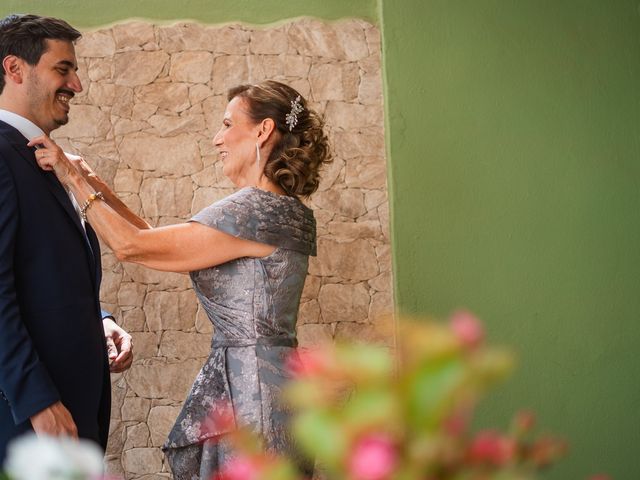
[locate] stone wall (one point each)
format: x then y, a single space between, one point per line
153 99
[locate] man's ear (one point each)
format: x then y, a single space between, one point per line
13 68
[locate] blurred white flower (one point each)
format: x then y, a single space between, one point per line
30 457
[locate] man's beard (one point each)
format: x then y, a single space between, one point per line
41 104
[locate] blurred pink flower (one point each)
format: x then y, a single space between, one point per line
457 423
524 421
600 476
546 450
467 328
307 363
220 420
239 468
490 447
374 457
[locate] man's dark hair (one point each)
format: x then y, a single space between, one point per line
25 37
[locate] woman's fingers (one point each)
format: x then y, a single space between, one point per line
44 141
41 159
44 159
54 159
47 149
35 141
50 156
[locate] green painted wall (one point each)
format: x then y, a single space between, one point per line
515 160
92 13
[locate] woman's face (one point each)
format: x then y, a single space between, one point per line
236 143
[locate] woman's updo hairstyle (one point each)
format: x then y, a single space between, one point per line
300 152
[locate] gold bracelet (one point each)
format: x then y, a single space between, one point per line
87 203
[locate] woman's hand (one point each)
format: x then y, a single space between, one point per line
51 157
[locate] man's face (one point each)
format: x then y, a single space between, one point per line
51 84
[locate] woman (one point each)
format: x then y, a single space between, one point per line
248 257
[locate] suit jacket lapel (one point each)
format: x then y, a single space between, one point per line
19 143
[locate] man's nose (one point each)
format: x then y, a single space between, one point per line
74 83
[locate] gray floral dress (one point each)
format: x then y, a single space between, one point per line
253 305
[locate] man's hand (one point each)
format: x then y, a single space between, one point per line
119 346
54 420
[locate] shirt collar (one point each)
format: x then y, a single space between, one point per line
26 127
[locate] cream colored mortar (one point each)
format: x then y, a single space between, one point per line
153 99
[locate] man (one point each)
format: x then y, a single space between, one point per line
54 361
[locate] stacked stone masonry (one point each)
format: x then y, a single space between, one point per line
153 99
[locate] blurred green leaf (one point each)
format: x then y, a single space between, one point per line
371 407
321 434
430 388
281 470
492 366
365 363
304 393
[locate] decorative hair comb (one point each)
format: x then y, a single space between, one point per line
292 117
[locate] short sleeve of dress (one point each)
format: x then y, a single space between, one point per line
265 217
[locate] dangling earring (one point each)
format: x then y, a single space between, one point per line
257 155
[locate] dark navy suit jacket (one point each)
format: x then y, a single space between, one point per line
52 343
